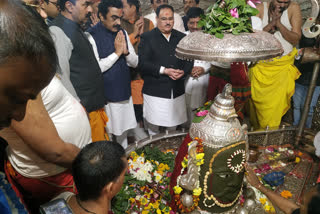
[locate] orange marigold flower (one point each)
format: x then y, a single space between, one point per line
286 194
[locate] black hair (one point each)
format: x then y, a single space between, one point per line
194 12
62 4
104 5
23 33
313 206
151 1
96 165
197 1
135 3
163 6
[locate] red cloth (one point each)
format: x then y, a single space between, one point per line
241 87
238 74
215 87
42 190
183 150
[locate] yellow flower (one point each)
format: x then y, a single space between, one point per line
149 207
163 167
184 163
158 211
199 156
298 159
262 200
207 103
272 210
267 208
145 211
144 201
177 190
166 210
197 191
200 162
155 205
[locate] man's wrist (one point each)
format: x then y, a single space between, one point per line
118 53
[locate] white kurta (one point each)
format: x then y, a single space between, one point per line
196 88
121 114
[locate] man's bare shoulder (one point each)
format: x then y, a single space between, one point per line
294 7
294 10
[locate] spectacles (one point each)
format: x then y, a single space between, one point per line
166 19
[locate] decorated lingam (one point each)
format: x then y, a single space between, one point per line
215 160
209 170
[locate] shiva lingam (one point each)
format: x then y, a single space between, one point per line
211 178
216 158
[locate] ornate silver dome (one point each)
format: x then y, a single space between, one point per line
252 47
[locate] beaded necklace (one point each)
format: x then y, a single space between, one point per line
237 170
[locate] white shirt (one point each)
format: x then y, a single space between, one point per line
71 122
107 62
178 22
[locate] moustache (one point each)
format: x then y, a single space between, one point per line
118 27
168 25
88 15
282 9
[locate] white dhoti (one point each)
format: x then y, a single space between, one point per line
121 116
165 112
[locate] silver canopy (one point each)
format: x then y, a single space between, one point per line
245 47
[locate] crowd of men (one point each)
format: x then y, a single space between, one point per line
80 71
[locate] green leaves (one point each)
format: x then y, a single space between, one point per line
219 21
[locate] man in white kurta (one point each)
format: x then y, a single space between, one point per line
198 81
115 53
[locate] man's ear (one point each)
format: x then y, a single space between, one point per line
109 190
100 16
69 6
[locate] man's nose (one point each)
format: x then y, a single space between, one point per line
19 113
89 9
118 21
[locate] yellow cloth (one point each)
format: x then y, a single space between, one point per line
272 86
98 122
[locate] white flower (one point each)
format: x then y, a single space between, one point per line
140 169
157 176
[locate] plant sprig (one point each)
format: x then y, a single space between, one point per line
219 20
